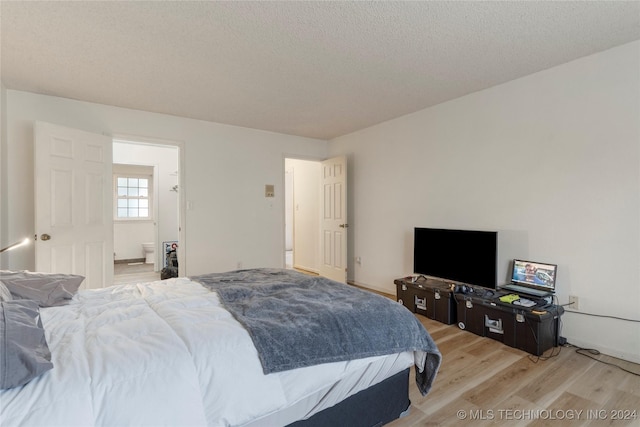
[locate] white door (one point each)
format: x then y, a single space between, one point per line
74 218
333 238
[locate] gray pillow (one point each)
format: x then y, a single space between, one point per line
47 289
24 353
5 295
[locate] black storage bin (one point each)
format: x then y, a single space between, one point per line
171 270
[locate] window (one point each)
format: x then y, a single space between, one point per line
133 197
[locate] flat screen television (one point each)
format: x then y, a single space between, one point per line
534 275
465 256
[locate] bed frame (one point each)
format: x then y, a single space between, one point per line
372 407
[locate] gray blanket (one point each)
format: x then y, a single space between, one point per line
298 320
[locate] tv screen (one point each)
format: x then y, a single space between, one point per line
465 256
534 275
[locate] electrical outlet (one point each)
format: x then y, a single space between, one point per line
574 302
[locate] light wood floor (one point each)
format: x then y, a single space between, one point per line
493 384
125 274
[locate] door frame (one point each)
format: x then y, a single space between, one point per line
318 159
284 205
155 204
182 202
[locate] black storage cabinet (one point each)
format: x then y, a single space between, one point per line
428 297
480 311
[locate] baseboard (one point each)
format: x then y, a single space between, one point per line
377 289
306 269
128 261
598 324
629 357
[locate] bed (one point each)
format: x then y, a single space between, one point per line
198 351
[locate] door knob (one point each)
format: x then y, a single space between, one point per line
344 225
45 237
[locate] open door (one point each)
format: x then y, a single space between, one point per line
73 206
333 239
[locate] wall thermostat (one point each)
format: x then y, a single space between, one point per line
269 190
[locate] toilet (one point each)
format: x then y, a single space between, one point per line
149 250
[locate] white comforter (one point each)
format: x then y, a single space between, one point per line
162 353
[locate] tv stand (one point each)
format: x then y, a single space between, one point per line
479 310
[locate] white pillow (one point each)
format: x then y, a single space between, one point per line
24 353
47 289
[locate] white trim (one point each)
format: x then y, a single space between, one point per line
286 156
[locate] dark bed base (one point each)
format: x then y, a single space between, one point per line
372 407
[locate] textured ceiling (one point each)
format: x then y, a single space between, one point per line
316 69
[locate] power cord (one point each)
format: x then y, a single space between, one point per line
591 353
598 315
553 353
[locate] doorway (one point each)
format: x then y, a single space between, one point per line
146 208
302 214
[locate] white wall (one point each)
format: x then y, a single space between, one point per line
129 235
551 161
226 169
306 214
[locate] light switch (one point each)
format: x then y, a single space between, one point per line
269 190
